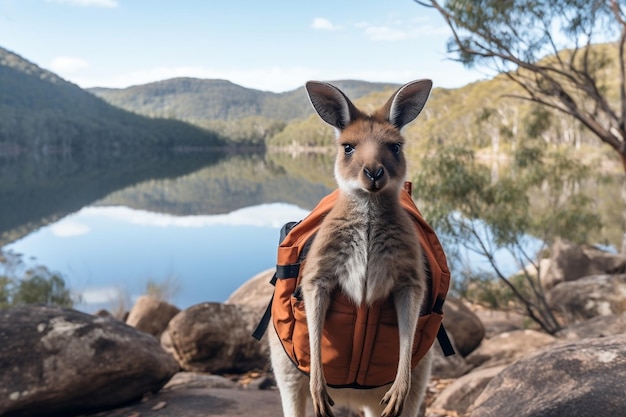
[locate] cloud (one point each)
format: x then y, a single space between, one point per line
264 215
109 4
69 228
65 64
321 23
100 295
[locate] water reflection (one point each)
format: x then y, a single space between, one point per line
109 254
205 221
110 226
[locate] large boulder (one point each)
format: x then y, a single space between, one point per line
448 366
464 326
216 338
151 315
506 348
58 361
580 379
600 326
461 394
496 321
569 262
599 295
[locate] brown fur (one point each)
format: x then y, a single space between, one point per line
367 247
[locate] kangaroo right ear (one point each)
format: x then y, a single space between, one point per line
331 104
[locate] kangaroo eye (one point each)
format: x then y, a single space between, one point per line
395 148
348 149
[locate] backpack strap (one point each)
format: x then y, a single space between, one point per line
261 328
444 342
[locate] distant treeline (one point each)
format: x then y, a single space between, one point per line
40 111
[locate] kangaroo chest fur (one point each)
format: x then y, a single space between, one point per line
366 249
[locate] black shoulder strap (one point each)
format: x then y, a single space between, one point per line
261 328
444 342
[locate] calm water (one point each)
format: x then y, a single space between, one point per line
201 234
199 225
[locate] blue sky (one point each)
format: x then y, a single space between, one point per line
268 45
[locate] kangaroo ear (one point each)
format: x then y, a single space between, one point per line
407 103
331 104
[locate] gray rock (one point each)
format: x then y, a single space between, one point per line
58 361
198 380
580 379
598 295
497 322
569 262
600 326
461 394
151 315
464 326
448 366
506 348
216 338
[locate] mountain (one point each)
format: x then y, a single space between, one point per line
197 100
237 113
39 110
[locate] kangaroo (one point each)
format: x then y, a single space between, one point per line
366 247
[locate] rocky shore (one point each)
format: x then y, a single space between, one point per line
202 361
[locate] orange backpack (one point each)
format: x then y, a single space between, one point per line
360 344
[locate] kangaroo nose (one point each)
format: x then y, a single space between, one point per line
376 175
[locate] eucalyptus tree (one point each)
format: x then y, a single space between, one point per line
567 55
534 201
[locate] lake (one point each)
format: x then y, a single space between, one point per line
199 224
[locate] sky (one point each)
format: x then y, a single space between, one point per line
273 45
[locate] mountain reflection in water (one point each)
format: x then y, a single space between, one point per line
205 229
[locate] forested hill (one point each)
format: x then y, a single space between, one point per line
198 99
237 113
39 110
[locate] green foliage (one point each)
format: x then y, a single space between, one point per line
535 196
252 130
523 27
239 114
36 285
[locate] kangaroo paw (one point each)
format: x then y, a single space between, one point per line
322 403
394 398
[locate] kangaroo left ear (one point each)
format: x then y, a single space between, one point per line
407 103
331 104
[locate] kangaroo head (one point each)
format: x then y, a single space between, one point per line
370 156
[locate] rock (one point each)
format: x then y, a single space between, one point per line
464 326
598 295
254 293
579 379
600 326
58 361
151 315
497 322
216 338
199 380
461 394
505 348
569 262
448 366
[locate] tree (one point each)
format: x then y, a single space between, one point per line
36 285
550 49
521 212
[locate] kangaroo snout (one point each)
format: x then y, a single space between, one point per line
375 178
